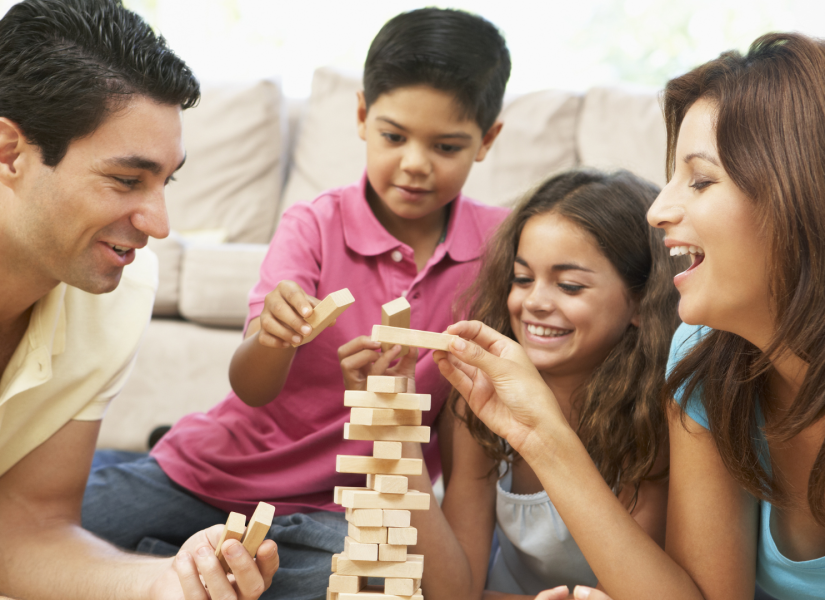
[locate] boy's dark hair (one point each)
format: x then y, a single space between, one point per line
450 50
67 64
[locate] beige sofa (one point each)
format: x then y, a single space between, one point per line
252 153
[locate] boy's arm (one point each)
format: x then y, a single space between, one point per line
45 549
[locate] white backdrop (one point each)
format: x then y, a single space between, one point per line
554 43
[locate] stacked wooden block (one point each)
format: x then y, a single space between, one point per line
379 514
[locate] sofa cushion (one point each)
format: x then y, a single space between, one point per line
170 253
232 177
539 138
215 282
621 128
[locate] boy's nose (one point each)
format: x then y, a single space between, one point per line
415 160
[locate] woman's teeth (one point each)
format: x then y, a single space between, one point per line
681 250
547 331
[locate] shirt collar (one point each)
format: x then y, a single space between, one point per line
47 326
366 236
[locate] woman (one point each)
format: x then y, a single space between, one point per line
746 155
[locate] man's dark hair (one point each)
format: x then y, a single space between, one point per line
65 65
449 50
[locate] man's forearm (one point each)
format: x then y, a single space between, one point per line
66 561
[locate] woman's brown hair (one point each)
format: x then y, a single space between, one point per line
770 136
621 420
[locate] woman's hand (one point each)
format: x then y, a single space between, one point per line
360 358
499 383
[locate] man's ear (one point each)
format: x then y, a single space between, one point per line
12 144
362 116
488 139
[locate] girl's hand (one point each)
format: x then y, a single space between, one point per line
581 592
360 358
499 383
283 319
557 593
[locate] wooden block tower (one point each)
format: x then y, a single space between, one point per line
379 514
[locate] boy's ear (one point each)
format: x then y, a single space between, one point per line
362 116
12 145
488 139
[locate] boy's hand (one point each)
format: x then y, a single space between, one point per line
283 319
196 574
360 358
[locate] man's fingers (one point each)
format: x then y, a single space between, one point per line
190 581
268 561
212 572
248 578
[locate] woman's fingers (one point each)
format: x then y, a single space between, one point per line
557 593
581 592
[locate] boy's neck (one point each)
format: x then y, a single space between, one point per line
422 235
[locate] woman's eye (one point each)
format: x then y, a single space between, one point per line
393 137
701 184
570 288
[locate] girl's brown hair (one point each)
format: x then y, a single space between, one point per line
621 420
770 136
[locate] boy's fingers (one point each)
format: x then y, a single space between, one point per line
356 345
190 581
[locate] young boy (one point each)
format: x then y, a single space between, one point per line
433 87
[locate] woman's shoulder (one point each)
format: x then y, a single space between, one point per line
684 339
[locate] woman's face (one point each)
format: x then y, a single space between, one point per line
706 215
568 305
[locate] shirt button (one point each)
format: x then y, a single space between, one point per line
404 294
396 255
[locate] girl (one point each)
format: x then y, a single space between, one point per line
746 151
577 277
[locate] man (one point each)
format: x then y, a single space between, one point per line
90 134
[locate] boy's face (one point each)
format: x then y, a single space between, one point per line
419 148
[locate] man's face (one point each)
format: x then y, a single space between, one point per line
81 221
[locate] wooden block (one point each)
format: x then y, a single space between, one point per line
389 484
412 337
412 500
396 518
331 595
335 563
395 586
390 450
233 530
368 464
375 593
389 553
396 314
357 551
326 312
347 583
402 536
375 400
338 490
383 384
413 568
258 527
367 535
384 416
389 434
365 517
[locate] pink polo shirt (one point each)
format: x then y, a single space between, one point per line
284 452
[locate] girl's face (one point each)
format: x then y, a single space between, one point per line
705 214
568 305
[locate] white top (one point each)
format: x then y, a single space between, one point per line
73 359
536 551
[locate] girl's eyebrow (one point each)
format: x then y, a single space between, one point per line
560 267
704 156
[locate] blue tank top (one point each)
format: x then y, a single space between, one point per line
781 577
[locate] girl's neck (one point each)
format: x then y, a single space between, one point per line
786 379
564 388
422 234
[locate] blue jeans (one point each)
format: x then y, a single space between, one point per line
135 506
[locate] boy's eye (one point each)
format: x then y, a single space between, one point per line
449 148
393 137
570 288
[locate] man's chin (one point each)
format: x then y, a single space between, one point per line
99 283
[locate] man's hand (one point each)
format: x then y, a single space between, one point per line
196 574
360 358
499 383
